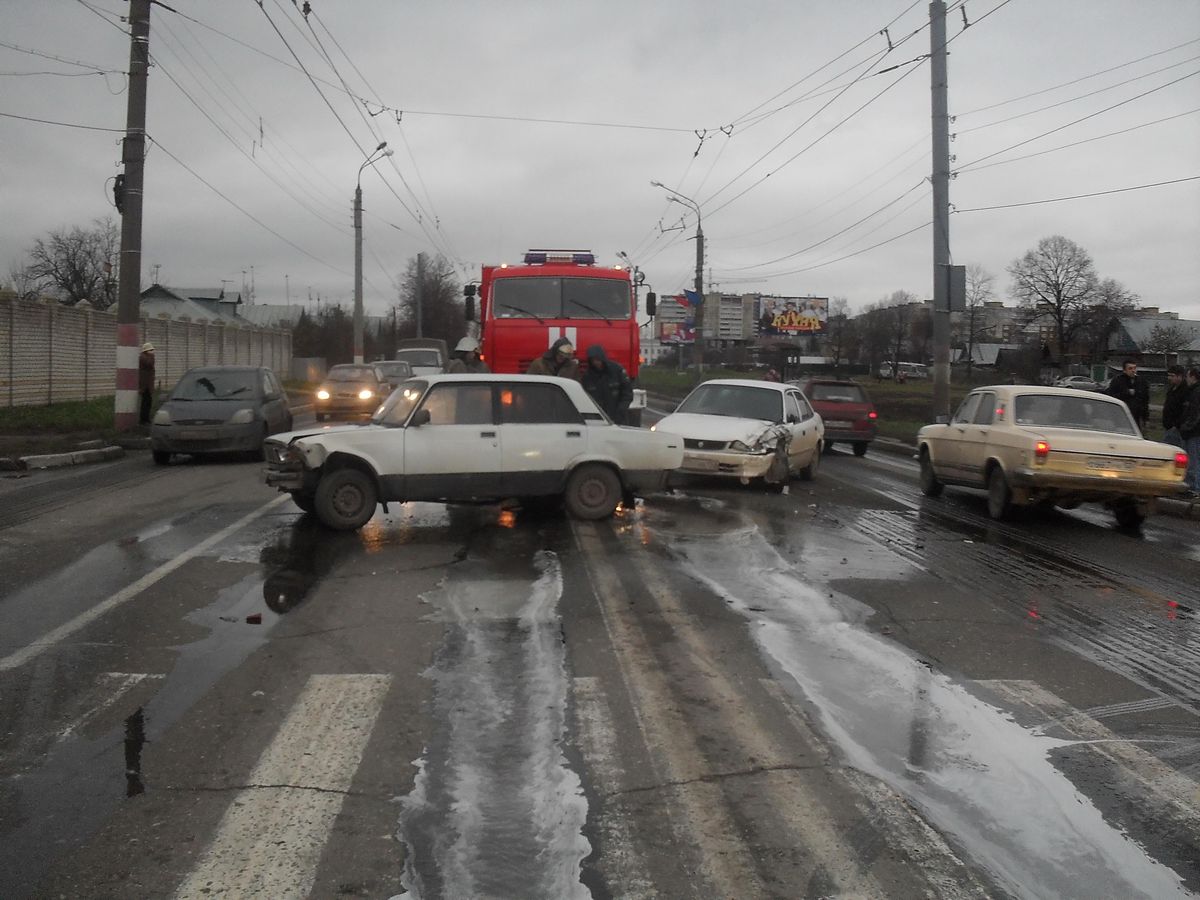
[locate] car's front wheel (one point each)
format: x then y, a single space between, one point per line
930 485
161 457
593 492
999 494
809 472
345 499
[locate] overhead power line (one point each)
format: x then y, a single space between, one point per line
1136 187
70 62
63 124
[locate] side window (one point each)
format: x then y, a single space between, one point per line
536 404
966 411
459 404
267 387
795 406
275 385
986 413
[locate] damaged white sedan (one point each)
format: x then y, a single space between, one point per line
749 430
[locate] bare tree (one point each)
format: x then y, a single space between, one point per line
980 289
900 313
442 314
1098 321
1057 281
1168 339
840 332
77 263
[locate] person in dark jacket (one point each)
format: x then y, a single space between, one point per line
558 360
1189 430
1135 391
466 359
608 384
146 382
1173 405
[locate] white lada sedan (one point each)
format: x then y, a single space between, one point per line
747 430
1028 445
472 439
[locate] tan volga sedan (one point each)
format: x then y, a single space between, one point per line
1028 445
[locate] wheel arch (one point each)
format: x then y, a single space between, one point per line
340 459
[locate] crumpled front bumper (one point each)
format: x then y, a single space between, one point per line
726 463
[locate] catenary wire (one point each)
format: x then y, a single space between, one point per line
1136 187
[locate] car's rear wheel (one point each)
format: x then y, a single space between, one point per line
999 494
161 457
593 492
1129 514
930 485
860 448
809 472
304 499
345 499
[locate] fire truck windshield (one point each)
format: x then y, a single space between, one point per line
561 298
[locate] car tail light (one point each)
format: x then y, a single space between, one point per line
1041 450
872 415
1181 460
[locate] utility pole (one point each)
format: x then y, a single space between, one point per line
941 209
358 301
420 290
702 311
133 155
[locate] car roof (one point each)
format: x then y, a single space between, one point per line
1017 390
749 382
225 369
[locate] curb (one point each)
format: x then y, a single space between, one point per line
78 457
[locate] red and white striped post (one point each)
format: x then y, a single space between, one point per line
133 154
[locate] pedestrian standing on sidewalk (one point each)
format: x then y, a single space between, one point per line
1135 391
146 381
1189 428
1173 405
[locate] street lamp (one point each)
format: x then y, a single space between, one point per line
376 155
677 197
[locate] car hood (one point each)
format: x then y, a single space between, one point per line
318 431
714 428
208 409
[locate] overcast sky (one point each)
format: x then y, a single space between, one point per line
773 116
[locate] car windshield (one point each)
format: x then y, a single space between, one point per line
399 405
1081 413
419 357
394 369
351 373
839 393
736 400
213 384
561 298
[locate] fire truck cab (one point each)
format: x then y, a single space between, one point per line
552 294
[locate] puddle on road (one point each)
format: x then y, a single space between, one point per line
495 810
977 774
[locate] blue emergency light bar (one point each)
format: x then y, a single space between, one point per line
575 257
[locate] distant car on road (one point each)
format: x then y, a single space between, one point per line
472 439
220 409
748 430
427 356
845 409
1031 445
394 371
350 390
1079 382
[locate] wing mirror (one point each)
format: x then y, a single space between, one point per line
469 302
419 418
651 303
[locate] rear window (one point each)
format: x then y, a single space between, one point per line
420 357
839 393
1084 413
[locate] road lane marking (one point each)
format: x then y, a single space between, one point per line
624 867
269 841
123 596
725 861
1177 795
124 682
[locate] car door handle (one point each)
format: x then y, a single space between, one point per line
490 434
574 434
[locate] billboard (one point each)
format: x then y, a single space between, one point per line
792 316
677 332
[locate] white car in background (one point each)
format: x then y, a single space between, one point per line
472 439
749 430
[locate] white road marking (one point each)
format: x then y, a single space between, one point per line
123 596
124 682
624 867
270 839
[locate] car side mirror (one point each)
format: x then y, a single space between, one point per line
419 418
651 303
942 420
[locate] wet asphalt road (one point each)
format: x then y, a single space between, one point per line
846 690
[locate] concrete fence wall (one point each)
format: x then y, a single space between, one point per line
50 352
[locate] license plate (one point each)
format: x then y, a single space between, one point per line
832 423
1111 465
194 434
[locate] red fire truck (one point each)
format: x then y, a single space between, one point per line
523 309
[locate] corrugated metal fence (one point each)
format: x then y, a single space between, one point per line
50 352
